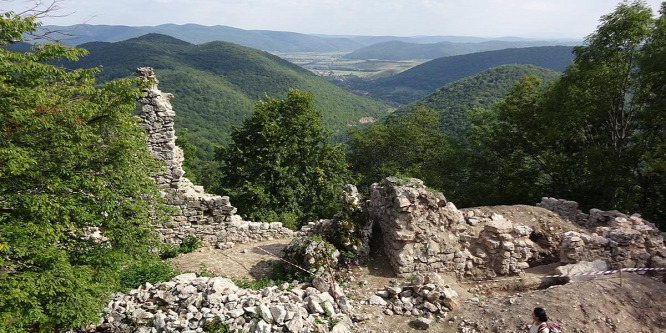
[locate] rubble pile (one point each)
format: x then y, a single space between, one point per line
424 296
189 303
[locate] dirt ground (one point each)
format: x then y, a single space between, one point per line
595 306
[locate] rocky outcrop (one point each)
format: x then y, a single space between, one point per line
189 303
423 232
193 212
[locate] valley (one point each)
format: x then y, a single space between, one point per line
332 167
334 65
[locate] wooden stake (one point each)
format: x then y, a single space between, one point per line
620 274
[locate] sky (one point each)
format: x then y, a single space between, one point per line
482 18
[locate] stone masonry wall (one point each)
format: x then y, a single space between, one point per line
618 239
211 218
423 232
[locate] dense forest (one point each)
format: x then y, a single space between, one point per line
483 90
421 80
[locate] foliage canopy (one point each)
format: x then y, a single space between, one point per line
72 161
281 165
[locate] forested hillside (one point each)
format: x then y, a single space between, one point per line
595 135
216 84
421 80
398 50
484 89
280 41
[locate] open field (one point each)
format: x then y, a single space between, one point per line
329 64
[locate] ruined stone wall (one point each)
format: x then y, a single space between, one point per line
211 218
569 211
423 232
618 239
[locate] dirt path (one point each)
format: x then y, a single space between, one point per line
243 261
598 305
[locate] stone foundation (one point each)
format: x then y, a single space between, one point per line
193 212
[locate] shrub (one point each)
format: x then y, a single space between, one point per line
141 272
189 244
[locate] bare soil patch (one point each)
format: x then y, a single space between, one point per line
243 261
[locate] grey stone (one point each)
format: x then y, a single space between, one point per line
421 323
376 300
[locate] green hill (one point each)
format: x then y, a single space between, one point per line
480 90
421 80
216 84
280 41
398 50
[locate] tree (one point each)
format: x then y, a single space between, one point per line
593 110
75 186
597 134
191 161
411 145
501 153
281 165
652 123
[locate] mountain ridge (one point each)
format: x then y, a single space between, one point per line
216 84
399 50
419 81
483 89
267 40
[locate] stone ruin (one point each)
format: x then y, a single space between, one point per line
208 217
618 239
422 232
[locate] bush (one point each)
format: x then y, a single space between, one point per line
170 251
215 326
189 244
141 272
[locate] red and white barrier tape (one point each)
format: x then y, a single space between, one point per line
593 273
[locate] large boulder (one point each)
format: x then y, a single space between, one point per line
581 267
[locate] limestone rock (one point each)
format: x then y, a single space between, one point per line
376 300
421 323
581 267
